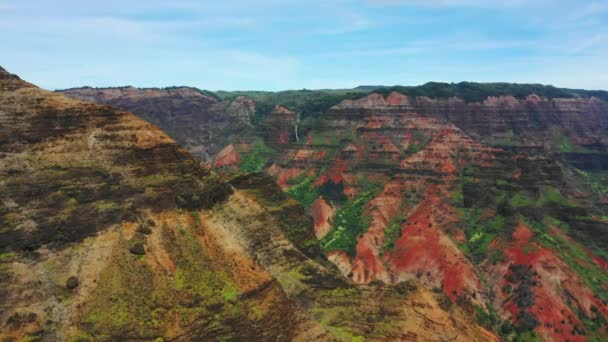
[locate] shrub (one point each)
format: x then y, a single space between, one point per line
349 222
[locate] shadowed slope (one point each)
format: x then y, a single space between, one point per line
110 231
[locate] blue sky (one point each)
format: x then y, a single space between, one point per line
287 44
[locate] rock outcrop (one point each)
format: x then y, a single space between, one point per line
497 206
410 196
198 121
164 249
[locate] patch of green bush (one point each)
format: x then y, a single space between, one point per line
393 232
421 141
477 92
480 234
520 200
350 221
256 159
575 256
304 192
553 196
487 318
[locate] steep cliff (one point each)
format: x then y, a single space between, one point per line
111 231
399 193
196 119
496 202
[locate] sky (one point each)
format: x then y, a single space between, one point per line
295 44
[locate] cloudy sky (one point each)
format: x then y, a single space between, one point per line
294 44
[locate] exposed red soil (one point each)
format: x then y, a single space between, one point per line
426 252
367 264
601 262
228 156
283 175
555 285
335 173
426 248
322 214
397 99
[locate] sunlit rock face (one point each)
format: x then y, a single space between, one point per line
496 205
109 230
434 190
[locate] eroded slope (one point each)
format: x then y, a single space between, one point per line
397 195
110 231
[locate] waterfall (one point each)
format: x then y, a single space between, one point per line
296 127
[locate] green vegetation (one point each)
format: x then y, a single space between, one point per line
503 183
392 232
575 256
350 221
132 302
289 213
303 191
256 159
157 179
324 139
548 220
526 336
553 196
595 327
594 181
480 233
487 318
548 195
520 200
7 257
309 103
420 141
477 92
106 206
393 229
563 143
343 310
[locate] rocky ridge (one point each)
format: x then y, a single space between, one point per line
198 121
498 204
111 231
398 195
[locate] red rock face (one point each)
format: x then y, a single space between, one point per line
371 101
424 251
534 121
283 175
439 168
416 162
388 138
228 157
542 285
278 127
397 99
322 214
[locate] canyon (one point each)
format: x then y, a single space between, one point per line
382 214
112 231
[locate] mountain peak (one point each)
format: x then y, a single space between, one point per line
7 75
11 82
